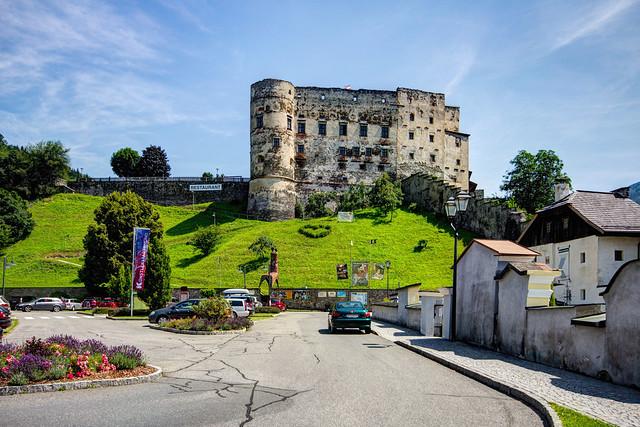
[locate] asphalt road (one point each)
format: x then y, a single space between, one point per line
286 371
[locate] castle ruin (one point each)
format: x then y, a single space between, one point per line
309 139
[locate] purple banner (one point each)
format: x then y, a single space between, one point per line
140 249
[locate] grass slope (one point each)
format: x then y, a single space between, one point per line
571 418
53 252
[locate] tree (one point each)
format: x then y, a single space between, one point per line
206 239
214 308
48 163
108 242
262 246
386 195
207 176
154 162
316 206
356 197
125 161
15 219
530 182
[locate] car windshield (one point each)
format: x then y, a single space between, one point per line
350 305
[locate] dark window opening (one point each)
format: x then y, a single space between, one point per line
411 155
458 162
583 257
380 168
433 157
302 127
322 128
412 117
367 151
356 151
300 148
617 255
411 134
276 142
363 166
342 151
384 153
363 129
259 121
342 165
385 132
431 138
431 120
289 120
343 129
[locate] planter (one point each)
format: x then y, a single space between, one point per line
188 332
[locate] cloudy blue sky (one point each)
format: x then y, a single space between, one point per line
527 75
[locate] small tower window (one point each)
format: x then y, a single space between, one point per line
302 127
363 166
367 151
430 120
411 134
432 138
433 157
384 153
384 132
343 129
356 151
322 128
411 156
289 120
618 256
342 151
412 117
259 121
583 257
363 129
380 168
342 166
276 143
458 162
300 148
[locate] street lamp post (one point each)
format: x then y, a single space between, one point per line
5 265
453 206
387 264
244 276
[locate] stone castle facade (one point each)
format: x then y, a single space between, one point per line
308 139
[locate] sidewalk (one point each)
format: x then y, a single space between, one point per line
611 403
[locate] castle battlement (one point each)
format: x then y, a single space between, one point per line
307 139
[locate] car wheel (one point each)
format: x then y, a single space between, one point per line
56 308
73 308
234 314
163 319
367 330
27 308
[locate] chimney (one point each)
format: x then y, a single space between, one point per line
562 188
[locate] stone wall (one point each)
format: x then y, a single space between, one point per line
45 292
486 217
170 191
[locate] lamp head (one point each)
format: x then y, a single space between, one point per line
462 201
450 208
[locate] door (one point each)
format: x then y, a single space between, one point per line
437 320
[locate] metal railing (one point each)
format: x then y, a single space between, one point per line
168 179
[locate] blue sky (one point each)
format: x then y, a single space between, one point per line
531 75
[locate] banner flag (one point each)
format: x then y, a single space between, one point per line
140 249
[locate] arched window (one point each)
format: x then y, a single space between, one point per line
412 117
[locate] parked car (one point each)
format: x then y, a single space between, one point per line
351 314
72 304
5 317
278 303
4 303
14 301
177 311
89 303
47 303
109 302
240 307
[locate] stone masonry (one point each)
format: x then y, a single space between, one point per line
308 139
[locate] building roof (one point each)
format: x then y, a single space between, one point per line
522 268
505 247
607 212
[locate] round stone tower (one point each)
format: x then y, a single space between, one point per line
272 190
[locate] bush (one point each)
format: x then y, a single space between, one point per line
315 231
208 293
57 372
317 205
267 309
15 219
206 239
18 379
122 361
125 311
236 323
214 309
181 324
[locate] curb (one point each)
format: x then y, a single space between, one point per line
84 314
180 331
78 385
118 318
542 408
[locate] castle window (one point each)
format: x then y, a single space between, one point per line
289 121
363 129
583 294
411 156
356 151
412 117
380 168
433 157
430 120
385 132
300 148
322 128
411 134
384 153
617 255
583 257
343 129
260 159
367 151
276 143
458 162
457 142
432 138
363 166
259 121
302 127
342 151
342 165
454 179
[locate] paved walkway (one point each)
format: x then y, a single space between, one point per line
612 403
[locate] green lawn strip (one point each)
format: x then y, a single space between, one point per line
262 316
14 324
571 418
51 255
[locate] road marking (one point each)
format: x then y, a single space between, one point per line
43 317
28 318
58 317
73 317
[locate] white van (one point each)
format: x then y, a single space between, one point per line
242 294
235 292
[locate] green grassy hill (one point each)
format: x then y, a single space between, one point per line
52 254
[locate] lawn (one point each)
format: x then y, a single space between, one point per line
571 418
52 254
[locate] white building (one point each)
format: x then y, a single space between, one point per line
588 236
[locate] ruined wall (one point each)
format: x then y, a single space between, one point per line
172 191
485 217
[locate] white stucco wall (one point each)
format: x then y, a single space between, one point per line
607 265
512 299
387 312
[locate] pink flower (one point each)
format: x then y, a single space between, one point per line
70 375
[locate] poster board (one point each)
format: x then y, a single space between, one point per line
360 273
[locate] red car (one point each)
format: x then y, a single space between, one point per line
89 303
110 303
278 303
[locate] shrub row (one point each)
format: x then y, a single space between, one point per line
315 231
267 309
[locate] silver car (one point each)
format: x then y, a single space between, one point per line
72 304
240 307
47 303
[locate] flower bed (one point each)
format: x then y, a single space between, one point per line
65 358
198 324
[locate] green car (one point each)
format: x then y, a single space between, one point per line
349 315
